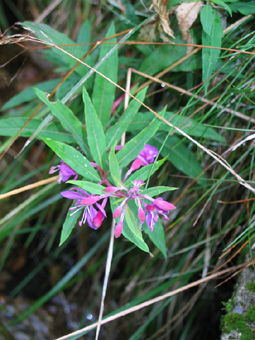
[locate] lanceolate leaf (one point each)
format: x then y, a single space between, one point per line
244 8
154 191
74 159
66 117
114 165
11 126
104 91
95 132
211 36
180 156
131 228
115 132
92 188
157 236
162 58
188 125
132 149
51 36
28 94
68 226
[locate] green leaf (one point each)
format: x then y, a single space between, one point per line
96 137
244 8
162 58
84 35
11 126
157 236
66 117
28 94
211 36
118 182
92 188
223 4
115 132
48 34
188 125
68 226
132 149
131 228
104 91
180 156
144 172
74 159
207 18
155 191
114 165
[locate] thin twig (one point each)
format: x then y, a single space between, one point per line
28 187
190 94
151 302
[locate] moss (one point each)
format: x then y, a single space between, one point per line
237 322
251 286
228 306
250 315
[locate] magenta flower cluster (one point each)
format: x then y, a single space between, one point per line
94 212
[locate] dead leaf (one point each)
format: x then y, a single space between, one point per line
186 13
160 6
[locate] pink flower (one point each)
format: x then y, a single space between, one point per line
90 214
118 229
65 172
148 154
159 206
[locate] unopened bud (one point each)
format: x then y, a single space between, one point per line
118 229
141 215
164 205
98 219
136 164
117 212
90 200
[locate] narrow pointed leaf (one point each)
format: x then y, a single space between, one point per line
74 159
131 229
104 91
66 117
114 165
157 236
115 132
180 156
92 188
95 132
188 125
155 191
52 36
11 126
68 226
211 36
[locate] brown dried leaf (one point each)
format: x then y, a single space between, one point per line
186 13
160 6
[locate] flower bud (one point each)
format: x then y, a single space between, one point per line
117 212
98 219
90 200
141 215
118 229
163 204
136 164
110 189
